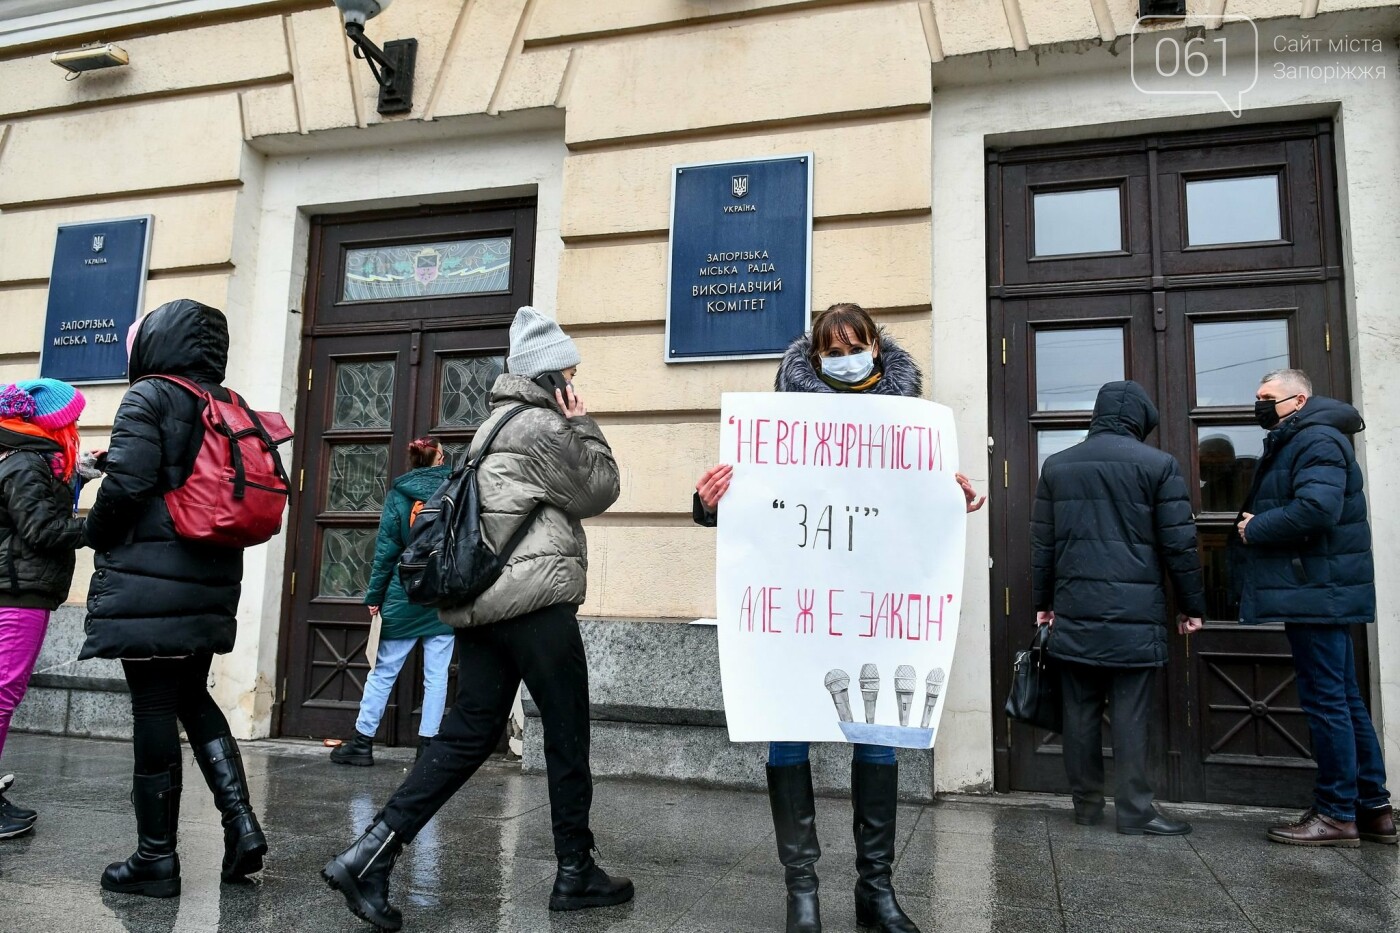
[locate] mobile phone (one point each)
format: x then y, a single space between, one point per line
552 381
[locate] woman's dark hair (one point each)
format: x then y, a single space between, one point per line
835 323
423 452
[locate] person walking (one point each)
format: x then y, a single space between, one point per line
1305 549
403 625
1110 513
845 352
164 605
548 468
41 533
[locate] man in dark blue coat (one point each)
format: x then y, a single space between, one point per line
1306 563
1110 513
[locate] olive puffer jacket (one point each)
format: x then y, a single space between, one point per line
1109 513
1308 552
540 458
38 532
401 618
155 594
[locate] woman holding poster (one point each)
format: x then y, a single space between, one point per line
845 352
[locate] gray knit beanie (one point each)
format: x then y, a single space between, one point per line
537 345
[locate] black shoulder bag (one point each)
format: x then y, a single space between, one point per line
1035 686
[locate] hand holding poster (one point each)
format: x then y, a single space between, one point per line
839 567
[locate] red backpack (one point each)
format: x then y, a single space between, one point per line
238 488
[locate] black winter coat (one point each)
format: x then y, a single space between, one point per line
1109 512
1307 556
38 532
155 594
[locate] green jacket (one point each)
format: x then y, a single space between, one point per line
402 619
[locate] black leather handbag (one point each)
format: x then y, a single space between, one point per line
1035 685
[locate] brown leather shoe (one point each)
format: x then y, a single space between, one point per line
1377 825
1318 831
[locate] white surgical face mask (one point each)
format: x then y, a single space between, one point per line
849 369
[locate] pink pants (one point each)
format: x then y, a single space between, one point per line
21 637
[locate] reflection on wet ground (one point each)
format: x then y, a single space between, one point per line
702 859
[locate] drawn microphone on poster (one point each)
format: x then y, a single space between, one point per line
839 567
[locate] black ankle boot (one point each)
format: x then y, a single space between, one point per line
580 883
795 823
423 743
361 873
154 870
244 842
358 751
875 793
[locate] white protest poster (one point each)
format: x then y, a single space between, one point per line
839 567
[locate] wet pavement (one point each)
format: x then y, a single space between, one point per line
702 859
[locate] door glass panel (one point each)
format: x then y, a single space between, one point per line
347 556
456 453
1233 210
1221 602
427 270
1054 441
364 395
1071 365
359 476
1228 458
1085 221
464 399
1230 358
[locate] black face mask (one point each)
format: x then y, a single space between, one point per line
1266 411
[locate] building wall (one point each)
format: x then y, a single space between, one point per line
232 127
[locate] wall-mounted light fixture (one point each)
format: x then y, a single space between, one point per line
90 58
392 65
1161 9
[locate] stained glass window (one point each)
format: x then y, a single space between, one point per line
427 270
347 556
359 476
364 395
465 397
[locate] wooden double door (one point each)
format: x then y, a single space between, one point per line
1193 264
407 323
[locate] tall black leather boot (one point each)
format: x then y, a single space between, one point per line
580 883
875 793
154 870
244 842
361 874
795 824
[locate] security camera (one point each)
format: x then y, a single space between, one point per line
357 11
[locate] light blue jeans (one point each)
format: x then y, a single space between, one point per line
393 653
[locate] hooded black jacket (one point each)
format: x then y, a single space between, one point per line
154 594
38 533
1308 556
1108 513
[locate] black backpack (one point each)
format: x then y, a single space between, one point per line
448 563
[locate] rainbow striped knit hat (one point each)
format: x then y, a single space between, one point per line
56 404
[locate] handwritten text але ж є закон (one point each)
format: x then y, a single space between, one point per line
836 444
840 614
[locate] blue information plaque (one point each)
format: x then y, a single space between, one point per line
95 292
741 258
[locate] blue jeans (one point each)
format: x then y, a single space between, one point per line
1350 769
393 652
781 754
